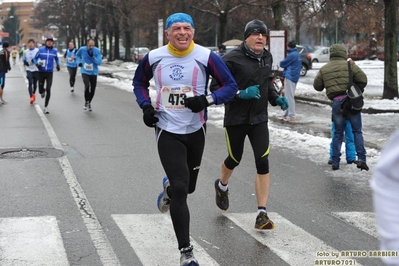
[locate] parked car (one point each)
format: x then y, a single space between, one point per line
381 53
138 54
321 55
306 59
359 51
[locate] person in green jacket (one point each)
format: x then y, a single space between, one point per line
334 76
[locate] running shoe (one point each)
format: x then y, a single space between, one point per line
187 257
163 201
2 101
45 110
43 94
31 99
72 89
34 97
263 222
85 106
89 107
222 197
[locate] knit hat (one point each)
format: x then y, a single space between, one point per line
5 44
291 44
179 17
49 38
255 26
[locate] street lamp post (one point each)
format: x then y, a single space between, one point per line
19 37
336 13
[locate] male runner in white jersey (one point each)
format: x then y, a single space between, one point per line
181 72
31 70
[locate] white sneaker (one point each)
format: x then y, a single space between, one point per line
72 89
89 107
2 101
45 110
85 106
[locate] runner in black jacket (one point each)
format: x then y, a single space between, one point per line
246 115
4 68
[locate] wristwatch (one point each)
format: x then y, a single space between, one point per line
209 99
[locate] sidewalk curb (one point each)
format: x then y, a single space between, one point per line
368 143
364 110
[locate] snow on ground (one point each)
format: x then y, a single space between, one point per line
304 145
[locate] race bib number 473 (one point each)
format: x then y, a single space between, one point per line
173 97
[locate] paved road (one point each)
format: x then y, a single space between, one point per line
87 196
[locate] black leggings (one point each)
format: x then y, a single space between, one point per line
181 156
48 78
258 136
90 82
72 75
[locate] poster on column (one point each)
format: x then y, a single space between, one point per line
160 32
277 47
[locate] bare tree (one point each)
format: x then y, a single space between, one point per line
390 43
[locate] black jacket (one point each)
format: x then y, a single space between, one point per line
249 71
4 60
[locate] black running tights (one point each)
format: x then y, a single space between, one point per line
45 77
181 156
90 82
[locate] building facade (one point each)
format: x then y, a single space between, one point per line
24 10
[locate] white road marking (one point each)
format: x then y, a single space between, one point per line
364 221
287 240
31 241
94 228
152 234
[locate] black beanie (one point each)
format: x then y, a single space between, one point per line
255 26
291 44
6 44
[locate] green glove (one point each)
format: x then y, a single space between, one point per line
252 92
282 102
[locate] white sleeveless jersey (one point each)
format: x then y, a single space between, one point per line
29 55
177 78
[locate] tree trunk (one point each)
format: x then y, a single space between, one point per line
278 15
390 48
223 26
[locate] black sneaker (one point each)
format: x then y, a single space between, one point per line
335 167
187 257
362 166
222 197
263 222
85 106
43 94
330 161
89 107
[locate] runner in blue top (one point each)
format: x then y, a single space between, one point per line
44 60
88 59
72 66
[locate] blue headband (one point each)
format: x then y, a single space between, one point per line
179 17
